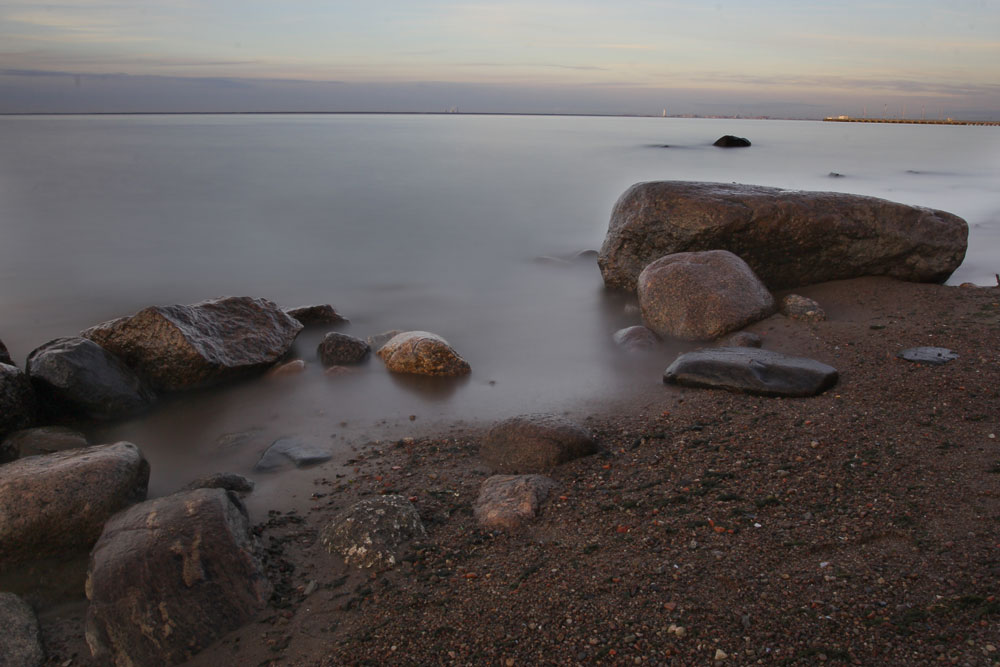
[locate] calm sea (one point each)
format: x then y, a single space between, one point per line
401 222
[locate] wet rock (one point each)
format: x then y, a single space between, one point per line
701 295
751 371
798 307
58 503
373 532
507 501
932 356
8 451
228 481
422 353
730 141
789 238
316 315
5 355
183 347
293 367
534 443
44 440
18 406
376 341
79 376
636 339
338 349
742 339
20 645
170 576
291 451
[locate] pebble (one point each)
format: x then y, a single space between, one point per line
720 655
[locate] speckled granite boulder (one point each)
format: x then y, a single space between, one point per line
797 307
58 503
20 645
422 353
751 371
183 347
507 501
337 349
788 237
701 295
373 532
534 443
170 576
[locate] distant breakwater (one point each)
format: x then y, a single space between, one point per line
911 121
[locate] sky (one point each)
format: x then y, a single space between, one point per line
784 58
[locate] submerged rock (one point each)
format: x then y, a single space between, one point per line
507 501
44 440
751 371
316 315
18 407
376 341
230 481
291 451
788 237
20 644
742 339
373 532
337 349
933 356
184 347
701 295
730 141
79 376
636 339
534 443
170 576
422 353
58 503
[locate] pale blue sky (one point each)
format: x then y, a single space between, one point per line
629 56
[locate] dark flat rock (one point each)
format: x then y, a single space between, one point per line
285 451
934 356
752 371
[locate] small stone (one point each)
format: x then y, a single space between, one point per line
507 501
291 450
229 481
293 367
314 315
636 339
720 655
796 307
338 349
19 642
932 356
742 339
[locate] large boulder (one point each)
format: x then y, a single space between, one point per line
752 371
373 532
20 645
534 443
78 375
57 503
18 407
422 353
701 295
789 238
183 347
170 576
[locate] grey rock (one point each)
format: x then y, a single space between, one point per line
422 353
376 341
170 576
55 504
932 356
507 501
44 440
789 238
20 645
184 347
730 141
373 532
18 405
291 451
742 339
534 443
701 295
797 307
316 315
79 376
636 339
337 349
751 371
228 481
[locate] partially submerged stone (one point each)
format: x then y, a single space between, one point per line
422 353
636 339
534 443
751 371
291 451
170 576
54 504
788 237
376 341
373 532
933 356
293 367
316 314
18 406
701 295
731 141
338 349
229 481
798 307
20 644
742 339
44 440
79 376
184 347
507 501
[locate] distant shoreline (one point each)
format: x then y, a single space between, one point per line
384 113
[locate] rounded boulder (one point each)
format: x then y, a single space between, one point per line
422 353
534 443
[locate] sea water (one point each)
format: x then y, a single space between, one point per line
465 226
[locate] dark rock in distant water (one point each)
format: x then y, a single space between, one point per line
372 533
788 237
184 347
77 375
507 501
834 174
585 256
315 315
636 339
797 307
751 371
170 576
701 295
229 481
4 355
932 356
18 406
534 443
338 349
422 353
729 141
43 440
20 644
54 504
291 451
742 339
